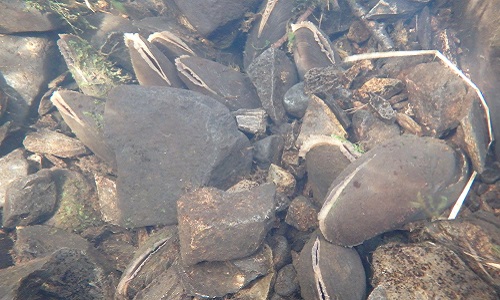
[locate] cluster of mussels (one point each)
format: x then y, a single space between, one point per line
241 151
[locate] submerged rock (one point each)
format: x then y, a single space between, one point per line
12 166
167 141
217 226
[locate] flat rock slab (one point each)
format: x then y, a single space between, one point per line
166 141
54 143
12 166
405 179
412 271
30 199
218 226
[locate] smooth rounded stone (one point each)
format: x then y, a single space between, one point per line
65 274
216 279
85 116
412 271
405 179
213 16
319 120
285 182
371 131
268 150
302 214
12 166
253 121
175 140
46 141
281 250
27 64
76 202
273 74
232 88
39 241
218 226
324 164
327 271
478 234
286 281
295 100
19 16
30 199
478 30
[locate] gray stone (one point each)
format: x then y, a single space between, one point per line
30 199
253 121
39 241
216 279
66 274
295 100
281 250
76 202
50 142
27 64
286 281
173 141
412 271
402 180
327 271
268 150
273 74
19 16
12 166
218 226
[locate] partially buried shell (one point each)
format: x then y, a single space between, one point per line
230 87
151 66
406 179
311 49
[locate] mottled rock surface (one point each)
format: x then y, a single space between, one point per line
192 141
12 166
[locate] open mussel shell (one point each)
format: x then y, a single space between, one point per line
311 48
271 27
327 271
230 87
151 66
406 179
85 116
170 44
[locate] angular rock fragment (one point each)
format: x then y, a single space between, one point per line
370 131
253 121
286 281
172 141
268 150
319 120
38 241
327 271
29 200
285 182
45 141
405 271
218 226
302 214
273 74
66 274
216 279
405 179
12 166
